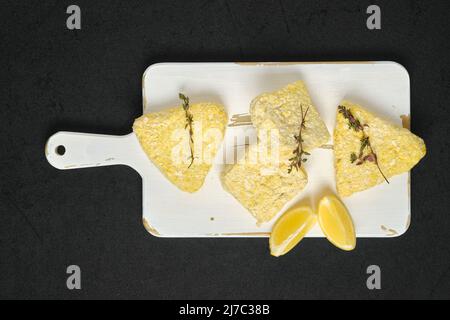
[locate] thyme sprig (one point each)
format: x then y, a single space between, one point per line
356 125
188 125
299 153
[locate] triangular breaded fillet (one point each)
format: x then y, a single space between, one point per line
262 187
396 150
282 110
165 139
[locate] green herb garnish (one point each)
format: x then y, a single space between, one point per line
188 125
299 153
356 125
352 122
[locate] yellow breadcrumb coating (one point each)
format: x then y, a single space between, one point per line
263 188
165 140
397 150
281 110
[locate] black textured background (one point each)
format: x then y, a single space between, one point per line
90 81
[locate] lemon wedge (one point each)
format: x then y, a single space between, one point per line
336 223
290 228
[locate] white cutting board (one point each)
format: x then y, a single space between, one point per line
382 87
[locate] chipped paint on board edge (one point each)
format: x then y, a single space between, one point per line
240 119
287 63
239 234
408 222
389 232
150 229
245 234
406 121
144 96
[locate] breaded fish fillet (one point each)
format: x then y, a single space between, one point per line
263 188
164 137
282 110
397 150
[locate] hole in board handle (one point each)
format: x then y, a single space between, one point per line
60 150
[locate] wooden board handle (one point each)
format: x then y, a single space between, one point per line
73 150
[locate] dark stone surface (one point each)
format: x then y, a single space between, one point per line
90 81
